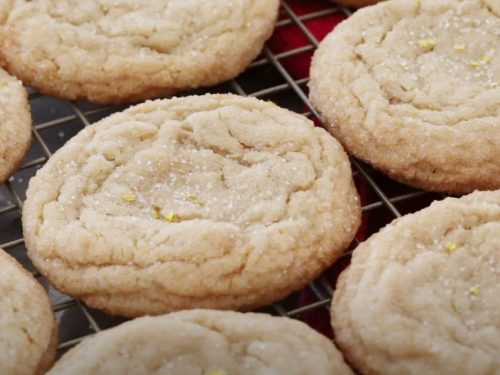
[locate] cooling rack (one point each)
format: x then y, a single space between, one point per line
279 75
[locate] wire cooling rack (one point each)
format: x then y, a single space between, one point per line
269 77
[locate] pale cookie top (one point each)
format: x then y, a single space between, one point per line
218 200
15 124
27 327
421 296
113 51
206 342
413 87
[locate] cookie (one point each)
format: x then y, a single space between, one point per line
128 50
421 296
355 3
215 201
28 333
15 124
412 87
208 343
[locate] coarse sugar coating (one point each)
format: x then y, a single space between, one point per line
128 50
412 87
214 201
28 332
15 124
421 296
207 343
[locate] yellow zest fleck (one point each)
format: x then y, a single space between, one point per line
494 85
217 372
129 197
195 200
450 247
485 58
155 214
427 43
474 291
172 217
459 47
1 85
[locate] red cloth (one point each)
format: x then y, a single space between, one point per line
290 37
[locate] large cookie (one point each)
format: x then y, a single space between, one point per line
208 343
421 296
413 88
15 124
127 50
28 333
212 201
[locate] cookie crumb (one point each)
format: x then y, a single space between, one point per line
451 247
129 197
483 60
427 44
172 217
474 291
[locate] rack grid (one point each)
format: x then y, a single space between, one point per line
270 78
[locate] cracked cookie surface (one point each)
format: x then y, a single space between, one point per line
15 124
421 296
28 332
213 201
207 343
114 51
413 88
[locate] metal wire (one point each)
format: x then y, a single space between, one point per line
76 321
